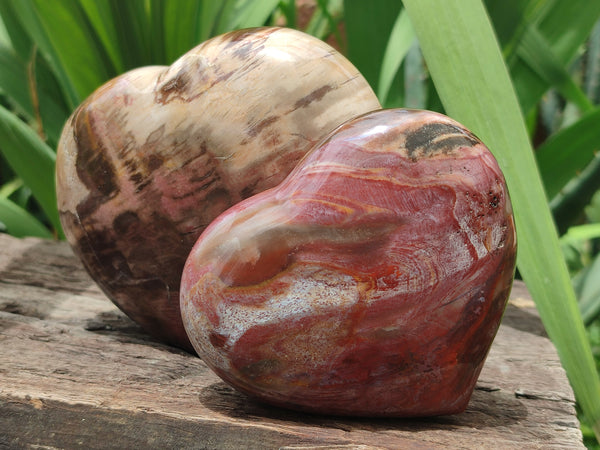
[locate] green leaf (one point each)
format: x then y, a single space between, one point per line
581 233
415 79
512 18
187 23
182 27
53 107
19 39
568 152
592 211
400 41
156 27
7 189
101 18
332 12
568 205
18 83
251 13
371 24
32 160
288 9
324 20
467 67
588 284
25 76
58 28
4 38
132 24
592 70
565 27
13 79
538 55
19 222
209 18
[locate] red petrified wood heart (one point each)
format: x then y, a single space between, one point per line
152 157
371 281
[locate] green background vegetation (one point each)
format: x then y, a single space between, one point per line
524 75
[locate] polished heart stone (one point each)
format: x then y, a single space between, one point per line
153 156
370 282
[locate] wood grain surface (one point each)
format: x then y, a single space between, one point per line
77 373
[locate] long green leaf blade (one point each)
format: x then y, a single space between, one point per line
252 13
538 55
20 41
467 66
581 233
13 79
416 81
567 206
32 160
157 37
182 22
18 81
567 152
20 223
100 16
132 25
401 38
209 18
512 18
371 24
565 27
592 70
590 292
331 12
325 20
67 43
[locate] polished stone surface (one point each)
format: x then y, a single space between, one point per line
371 281
153 156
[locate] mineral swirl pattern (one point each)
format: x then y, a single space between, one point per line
371 281
153 156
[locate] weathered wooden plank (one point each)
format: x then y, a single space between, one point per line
75 372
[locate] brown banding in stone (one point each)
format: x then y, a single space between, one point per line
255 130
314 96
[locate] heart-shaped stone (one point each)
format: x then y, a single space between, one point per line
153 156
370 282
